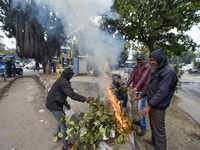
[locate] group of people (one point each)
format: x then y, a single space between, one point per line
152 84
151 87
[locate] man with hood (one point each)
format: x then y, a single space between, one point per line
138 80
56 99
159 92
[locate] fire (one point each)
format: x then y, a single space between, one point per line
123 123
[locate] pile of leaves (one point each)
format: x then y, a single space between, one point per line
97 125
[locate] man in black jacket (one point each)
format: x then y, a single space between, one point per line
56 99
159 92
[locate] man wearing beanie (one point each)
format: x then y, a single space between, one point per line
139 79
57 98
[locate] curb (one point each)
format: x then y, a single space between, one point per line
46 85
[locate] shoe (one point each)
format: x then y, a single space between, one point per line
70 145
56 139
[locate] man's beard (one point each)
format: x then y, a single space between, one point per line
153 68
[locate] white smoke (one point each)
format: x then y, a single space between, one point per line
81 18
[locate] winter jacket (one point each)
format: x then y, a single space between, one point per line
60 90
140 77
162 83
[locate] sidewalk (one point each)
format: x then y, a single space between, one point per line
4 84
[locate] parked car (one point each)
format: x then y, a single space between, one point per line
194 70
3 69
128 66
19 67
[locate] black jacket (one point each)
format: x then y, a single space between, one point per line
60 90
162 83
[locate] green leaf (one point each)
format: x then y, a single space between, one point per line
108 131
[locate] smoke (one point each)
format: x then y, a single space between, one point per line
80 18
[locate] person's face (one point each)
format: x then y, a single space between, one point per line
140 61
153 63
116 81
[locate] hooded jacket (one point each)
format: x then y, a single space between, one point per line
162 83
60 90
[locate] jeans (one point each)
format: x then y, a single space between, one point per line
61 126
141 105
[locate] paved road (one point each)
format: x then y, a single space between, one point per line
20 119
190 94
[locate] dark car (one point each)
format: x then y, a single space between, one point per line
195 70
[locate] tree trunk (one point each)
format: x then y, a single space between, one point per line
46 67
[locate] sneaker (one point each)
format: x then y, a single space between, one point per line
56 139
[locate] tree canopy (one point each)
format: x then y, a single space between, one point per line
157 24
38 31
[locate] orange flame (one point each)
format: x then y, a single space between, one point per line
123 123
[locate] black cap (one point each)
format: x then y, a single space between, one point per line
140 56
68 73
116 76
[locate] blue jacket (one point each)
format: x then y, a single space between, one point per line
162 83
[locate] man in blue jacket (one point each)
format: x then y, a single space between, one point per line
159 93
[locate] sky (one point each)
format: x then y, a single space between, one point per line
194 33
10 43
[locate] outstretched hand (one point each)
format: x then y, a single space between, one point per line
132 91
136 99
89 99
68 106
145 111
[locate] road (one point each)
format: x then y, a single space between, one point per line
190 95
22 126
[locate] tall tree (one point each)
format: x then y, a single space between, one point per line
38 31
151 23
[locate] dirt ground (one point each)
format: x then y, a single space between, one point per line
183 133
